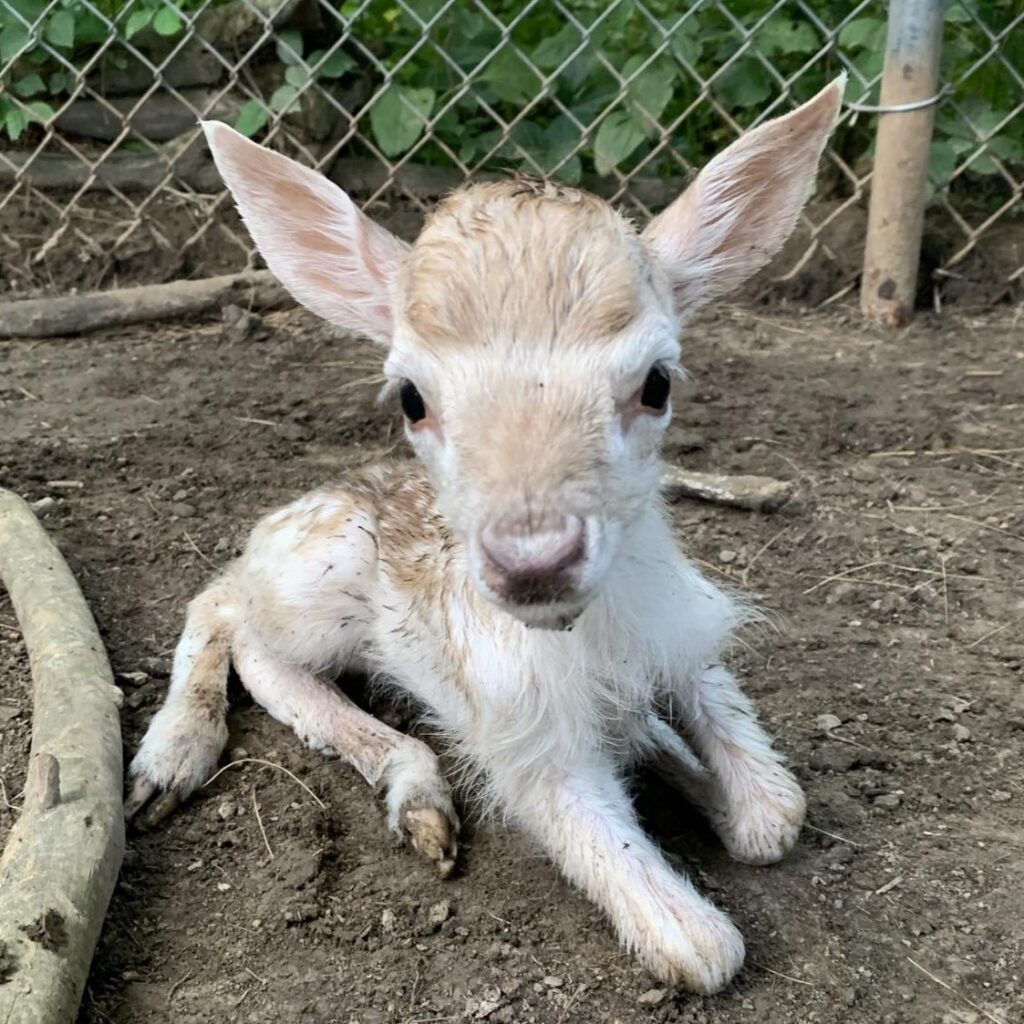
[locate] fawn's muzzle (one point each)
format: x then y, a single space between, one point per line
531 562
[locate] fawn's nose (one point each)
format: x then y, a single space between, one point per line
532 563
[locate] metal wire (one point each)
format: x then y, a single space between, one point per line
99 178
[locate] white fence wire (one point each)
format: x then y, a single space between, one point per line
103 170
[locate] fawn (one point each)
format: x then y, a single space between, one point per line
520 581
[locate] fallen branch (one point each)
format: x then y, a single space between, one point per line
61 860
756 493
75 314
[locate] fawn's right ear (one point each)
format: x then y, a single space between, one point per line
323 249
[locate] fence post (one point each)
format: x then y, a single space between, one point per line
896 211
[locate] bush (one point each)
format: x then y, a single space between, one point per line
577 94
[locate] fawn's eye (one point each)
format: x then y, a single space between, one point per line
413 406
655 391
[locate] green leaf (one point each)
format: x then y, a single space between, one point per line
399 117
283 99
334 66
687 44
511 77
781 35
14 122
58 82
137 20
167 22
60 29
617 139
40 111
864 34
289 46
89 29
553 50
942 160
12 39
650 92
29 85
296 75
251 118
745 84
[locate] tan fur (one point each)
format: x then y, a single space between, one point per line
523 261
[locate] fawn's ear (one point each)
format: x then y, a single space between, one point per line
743 206
323 249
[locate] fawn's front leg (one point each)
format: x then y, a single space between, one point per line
417 796
586 823
755 803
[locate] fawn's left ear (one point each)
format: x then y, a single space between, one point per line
744 204
318 243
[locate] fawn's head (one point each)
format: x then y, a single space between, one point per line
532 334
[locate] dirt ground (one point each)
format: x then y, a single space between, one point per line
895 583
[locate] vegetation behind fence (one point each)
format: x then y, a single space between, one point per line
99 101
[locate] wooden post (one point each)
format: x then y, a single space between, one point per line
910 79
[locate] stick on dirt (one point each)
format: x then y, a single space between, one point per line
61 860
755 493
76 314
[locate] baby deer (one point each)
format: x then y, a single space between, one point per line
521 582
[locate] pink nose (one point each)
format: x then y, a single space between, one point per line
541 556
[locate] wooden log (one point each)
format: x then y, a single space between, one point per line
754 493
75 314
59 866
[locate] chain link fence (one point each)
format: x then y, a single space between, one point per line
104 178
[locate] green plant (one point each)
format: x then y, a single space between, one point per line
612 88
42 44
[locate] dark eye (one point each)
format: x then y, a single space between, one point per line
412 402
656 388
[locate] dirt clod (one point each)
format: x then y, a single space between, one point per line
653 997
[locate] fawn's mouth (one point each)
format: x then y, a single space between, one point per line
553 617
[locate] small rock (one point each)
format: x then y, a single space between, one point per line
438 914
840 854
961 734
180 495
826 723
727 555
888 801
157 667
295 432
241 325
1001 796
388 921
301 913
196 865
865 472
653 997
223 887
553 981
833 759
134 678
136 699
226 809
8 714
182 509
42 506
221 545
130 975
